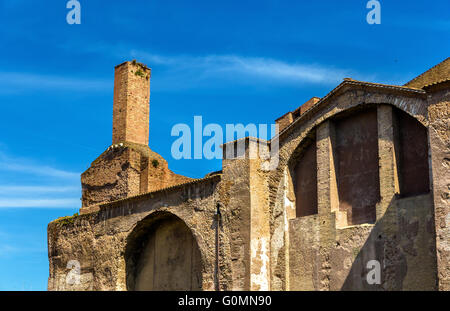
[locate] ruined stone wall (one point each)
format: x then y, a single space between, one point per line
113 176
99 240
259 242
321 252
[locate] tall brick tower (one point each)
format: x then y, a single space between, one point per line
128 167
131 110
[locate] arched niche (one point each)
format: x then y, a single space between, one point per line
302 174
354 153
162 254
411 146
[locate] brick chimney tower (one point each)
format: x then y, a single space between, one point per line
128 167
131 111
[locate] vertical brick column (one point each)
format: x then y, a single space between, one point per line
131 111
389 184
328 203
327 199
259 222
248 215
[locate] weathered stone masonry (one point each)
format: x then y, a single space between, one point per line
363 175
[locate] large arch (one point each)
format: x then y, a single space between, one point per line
355 129
163 254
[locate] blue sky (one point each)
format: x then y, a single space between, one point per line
228 61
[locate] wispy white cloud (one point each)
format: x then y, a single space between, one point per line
15 164
194 71
39 203
187 71
256 70
242 68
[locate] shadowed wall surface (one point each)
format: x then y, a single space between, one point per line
306 182
413 155
357 176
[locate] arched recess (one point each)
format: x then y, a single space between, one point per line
354 152
411 150
163 254
302 169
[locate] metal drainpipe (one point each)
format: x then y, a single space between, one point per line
217 217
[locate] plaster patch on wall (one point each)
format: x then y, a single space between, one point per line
259 247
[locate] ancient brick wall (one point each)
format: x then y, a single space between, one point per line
126 170
113 176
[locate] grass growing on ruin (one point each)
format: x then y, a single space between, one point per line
139 73
66 220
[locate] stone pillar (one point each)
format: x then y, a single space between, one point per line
327 200
248 214
259 223
289 213
439 141
389 184
385 247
